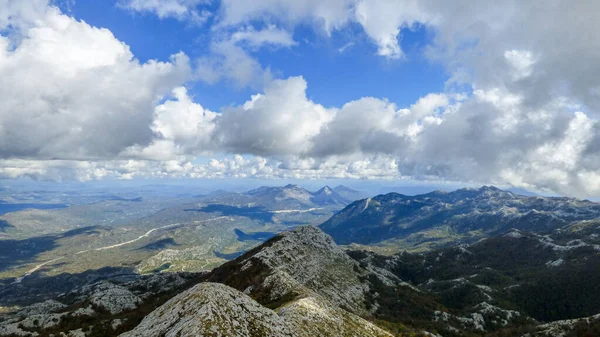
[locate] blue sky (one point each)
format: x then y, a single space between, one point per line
316 57
388 91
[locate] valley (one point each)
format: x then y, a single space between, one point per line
190 234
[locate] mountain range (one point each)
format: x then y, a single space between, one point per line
398 222
511 266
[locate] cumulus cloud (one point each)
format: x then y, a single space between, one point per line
73 91
372 125
181 128
282 121
235 166
59 170
511 44
183 121
491 137
528 116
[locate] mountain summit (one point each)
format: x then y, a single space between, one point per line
298 284
328 196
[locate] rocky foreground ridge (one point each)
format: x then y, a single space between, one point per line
297 284
214 309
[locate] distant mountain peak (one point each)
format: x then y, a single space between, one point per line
291 192
325 189
280 193
481 192
327 196
493 189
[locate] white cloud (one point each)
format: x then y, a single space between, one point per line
73 91
230 60
231 63
281 121
530 119
326 14
236 166
181 128
271 35
184 121
382 21
178 9
21 14
538 52
521 61
345 47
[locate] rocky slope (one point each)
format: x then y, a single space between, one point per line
86 306
213 309
300 283
301 276
518 281
315 288
302 262
440 218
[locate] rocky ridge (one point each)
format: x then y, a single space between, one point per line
302 262
307 284
213 309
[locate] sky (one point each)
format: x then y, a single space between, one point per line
503 93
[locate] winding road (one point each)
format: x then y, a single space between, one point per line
33 270
147 234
